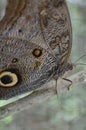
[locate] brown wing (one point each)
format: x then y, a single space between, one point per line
24 66
56 27
33 34
45 22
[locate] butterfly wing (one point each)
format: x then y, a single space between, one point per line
24 66
32 43
56 28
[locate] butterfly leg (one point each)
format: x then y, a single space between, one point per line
61 86
68 80
56 87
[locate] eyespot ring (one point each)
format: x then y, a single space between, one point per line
8 79
14 60
37 52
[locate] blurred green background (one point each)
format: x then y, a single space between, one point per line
68 111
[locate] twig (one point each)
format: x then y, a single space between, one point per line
40 95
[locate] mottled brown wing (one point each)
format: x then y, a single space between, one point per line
56 28
24 66
35 38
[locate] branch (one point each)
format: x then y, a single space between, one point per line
40 95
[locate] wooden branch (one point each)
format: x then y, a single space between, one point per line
40 95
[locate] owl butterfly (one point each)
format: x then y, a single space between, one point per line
35 44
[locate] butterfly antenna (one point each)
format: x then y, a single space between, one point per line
80 64
80 58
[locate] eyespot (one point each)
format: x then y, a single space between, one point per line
14 60
8 79
37 52
20 30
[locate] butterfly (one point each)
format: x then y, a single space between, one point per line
35 45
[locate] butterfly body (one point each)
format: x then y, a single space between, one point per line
35 42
